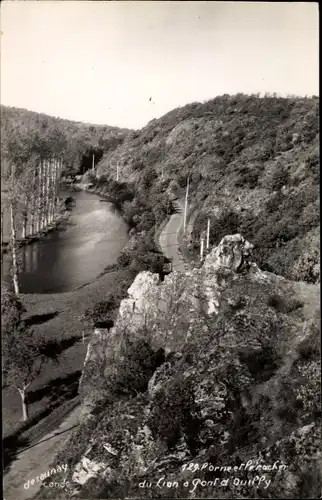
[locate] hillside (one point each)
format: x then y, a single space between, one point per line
254 169
77 139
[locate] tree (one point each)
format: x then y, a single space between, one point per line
13 246
12 190
24 352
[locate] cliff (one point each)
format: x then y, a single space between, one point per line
206 386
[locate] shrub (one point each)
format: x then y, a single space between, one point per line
226 224
280 178
139 361
101 312
310 348
274 202
101 181
147 221
174 414
248 177
181 180
280 304
124 259
261 364
313 165
138 165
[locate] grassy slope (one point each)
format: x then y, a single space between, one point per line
254 169
66 326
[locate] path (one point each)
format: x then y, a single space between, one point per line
169 239
36 460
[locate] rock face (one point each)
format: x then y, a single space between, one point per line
164 307
85 470
94 361
232 253
217 366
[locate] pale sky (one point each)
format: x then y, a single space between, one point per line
100 62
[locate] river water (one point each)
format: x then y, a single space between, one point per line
75 255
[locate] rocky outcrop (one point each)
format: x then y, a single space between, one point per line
236 382
86 470
91 375
166 308
233 253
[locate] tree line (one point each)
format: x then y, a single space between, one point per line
31 168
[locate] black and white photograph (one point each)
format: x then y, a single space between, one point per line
160 250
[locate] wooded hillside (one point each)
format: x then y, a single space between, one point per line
76 138
253 167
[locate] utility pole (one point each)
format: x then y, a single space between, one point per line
93 162
117 171
1 227
201 245
186 206
208 234
162 167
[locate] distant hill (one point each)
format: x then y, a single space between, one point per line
254 168
81 138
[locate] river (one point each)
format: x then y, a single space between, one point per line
75 255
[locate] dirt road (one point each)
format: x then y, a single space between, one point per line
36 460
169 239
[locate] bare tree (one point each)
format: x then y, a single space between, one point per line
42 194
33 208
13 246
11 190
52 190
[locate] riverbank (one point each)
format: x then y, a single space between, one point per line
59 221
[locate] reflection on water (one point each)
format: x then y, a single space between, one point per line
76 255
